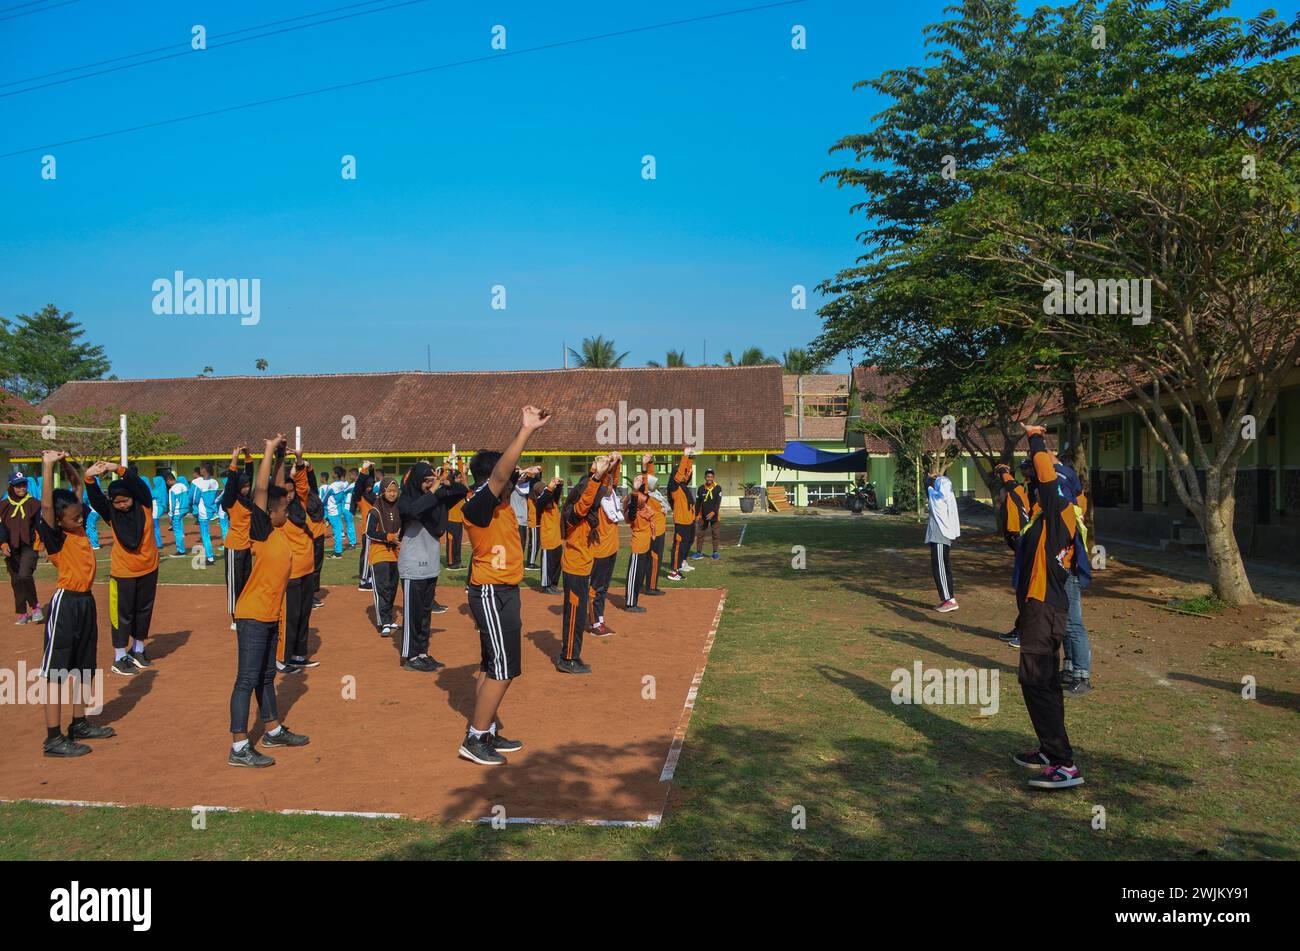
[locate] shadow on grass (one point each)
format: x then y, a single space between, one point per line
1263 695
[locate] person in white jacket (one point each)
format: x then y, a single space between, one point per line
944 528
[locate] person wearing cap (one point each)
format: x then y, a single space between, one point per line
19 512
708 503
133 568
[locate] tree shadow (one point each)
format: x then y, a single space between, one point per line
1263 695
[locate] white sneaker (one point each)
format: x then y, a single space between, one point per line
233 626
37 616
949 605
686 567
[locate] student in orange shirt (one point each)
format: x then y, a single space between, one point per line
359 507
71 630
609 516
237 550
637 511
133 570
258 612
657 505
316 523
455 522
679 494
580 525
298 599
498 567
382 531
548 501
532 550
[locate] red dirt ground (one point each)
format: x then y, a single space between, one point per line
594 749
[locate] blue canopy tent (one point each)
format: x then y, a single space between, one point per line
806 458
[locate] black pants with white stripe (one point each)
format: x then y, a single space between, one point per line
941 566
638 573
496 612
364 569
238 565
383 575
532 550
551 565
417 602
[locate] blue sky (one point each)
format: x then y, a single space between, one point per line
522 171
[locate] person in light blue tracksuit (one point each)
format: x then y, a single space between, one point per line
350 523
335 495
178 506
158 489
92 526
206 490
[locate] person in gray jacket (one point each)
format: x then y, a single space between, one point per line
426 497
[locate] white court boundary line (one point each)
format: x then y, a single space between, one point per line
650 822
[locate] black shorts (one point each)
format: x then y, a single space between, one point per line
496 612
71 634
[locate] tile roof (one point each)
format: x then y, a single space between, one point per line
427 412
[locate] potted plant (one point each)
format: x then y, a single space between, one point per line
750 497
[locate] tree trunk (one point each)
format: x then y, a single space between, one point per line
1227 573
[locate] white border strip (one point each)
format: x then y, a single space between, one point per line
679 737
88 804
741 540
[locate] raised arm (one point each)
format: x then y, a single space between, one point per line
532 420
48 460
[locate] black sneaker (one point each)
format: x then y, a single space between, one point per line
287 669
1078 687
549 589
125 667
85 730
478 749
1034 759
249 756
654 593
635 609
317 604
572 667
140 659
422 663
438 608
1008 637
304 662
503 745
365 587
284 738
1057 777
62 746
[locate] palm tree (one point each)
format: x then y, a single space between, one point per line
597 354
799 361
207 371
262 364
752 357
675 358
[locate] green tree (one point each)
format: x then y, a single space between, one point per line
262 364
597 354
800 361
752 357
675 358
42 351
66 432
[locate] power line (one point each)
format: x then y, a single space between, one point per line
402 75
27 13
184 48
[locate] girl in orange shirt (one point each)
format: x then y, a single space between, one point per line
383 530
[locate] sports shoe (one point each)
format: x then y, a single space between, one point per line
653 592
125 667
284 738
1014 642
212 561
140 659
178 554
572 667
949 605
249 756
331 555
674 576
686 567
85 730
303 662
437 608
287 669
234 626
696 555
503 745
600 630
63 746
635 609
549 589
386 630
37 615
23 618
1079 687
1009 636
716 556
1034 759
478 749
317 604
1057 777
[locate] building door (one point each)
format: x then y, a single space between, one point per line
731 476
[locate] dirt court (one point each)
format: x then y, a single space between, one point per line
598 747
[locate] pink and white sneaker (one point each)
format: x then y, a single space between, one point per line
1057 777
949 605
23 618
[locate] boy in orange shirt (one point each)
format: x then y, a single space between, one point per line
609 515
71 629
679 494
658 524
548 502
580 526
258 612
497 568
637 510
133 570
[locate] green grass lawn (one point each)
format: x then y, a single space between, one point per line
795 718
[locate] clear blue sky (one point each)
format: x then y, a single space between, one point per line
523 171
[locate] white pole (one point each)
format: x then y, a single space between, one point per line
297 439
121 421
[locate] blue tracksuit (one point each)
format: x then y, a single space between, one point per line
205 493
178 506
